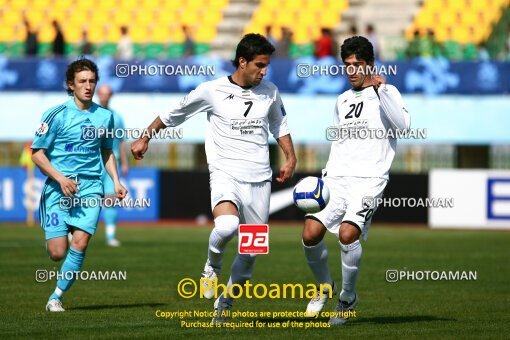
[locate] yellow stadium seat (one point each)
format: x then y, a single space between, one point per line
329 19
129 4
176 35
306 18
97 34
139 35
72 34
189 17
61 4
160 35
461 35
143 19
100 18
12 18
122 18
19 5
205 34
113 34
217 4
301 35
46 33
440 34
212 18
263 20
38 6
149 4
6 33
35 18
285 18
78 18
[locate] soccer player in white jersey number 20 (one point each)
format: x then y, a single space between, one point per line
241 111
357 168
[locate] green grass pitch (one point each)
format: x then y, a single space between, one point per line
156 259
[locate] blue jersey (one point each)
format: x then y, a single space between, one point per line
70 138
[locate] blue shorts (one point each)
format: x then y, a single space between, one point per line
57 219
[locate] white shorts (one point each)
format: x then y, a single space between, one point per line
353 200
252 199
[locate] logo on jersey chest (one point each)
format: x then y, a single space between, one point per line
243 127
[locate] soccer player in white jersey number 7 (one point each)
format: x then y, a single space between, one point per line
242 109
357 168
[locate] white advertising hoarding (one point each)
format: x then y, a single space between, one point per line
481 198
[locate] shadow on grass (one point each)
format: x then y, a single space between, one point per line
120 306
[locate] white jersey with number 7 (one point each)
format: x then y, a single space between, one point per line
239 122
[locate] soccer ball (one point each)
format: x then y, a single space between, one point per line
311 194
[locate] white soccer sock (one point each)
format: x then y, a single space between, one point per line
59 292
317 258
241 271
351 260
225 227
110 230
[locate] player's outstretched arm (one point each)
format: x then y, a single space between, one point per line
287 169
140 146
67 185
110 164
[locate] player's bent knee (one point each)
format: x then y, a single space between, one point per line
226 225
313 232
311 240
349 234
57 254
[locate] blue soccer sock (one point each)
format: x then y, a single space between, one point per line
110 218
68 272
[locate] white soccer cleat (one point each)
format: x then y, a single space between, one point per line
208 281
343 311
113 242
55 305
317 303
222 310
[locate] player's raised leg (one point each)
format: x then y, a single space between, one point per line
226 222
351 259
316 255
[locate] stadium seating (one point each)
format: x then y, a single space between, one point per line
461 21
154 25
304 18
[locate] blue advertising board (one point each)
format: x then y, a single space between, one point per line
16 194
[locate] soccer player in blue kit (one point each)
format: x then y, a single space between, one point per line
69 151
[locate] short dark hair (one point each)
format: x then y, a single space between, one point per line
78 66
358 46
252 45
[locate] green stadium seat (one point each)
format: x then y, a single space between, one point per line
139 51
108 49
17 49
154 51
72 49
3 48
44 49
201 48
175 51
